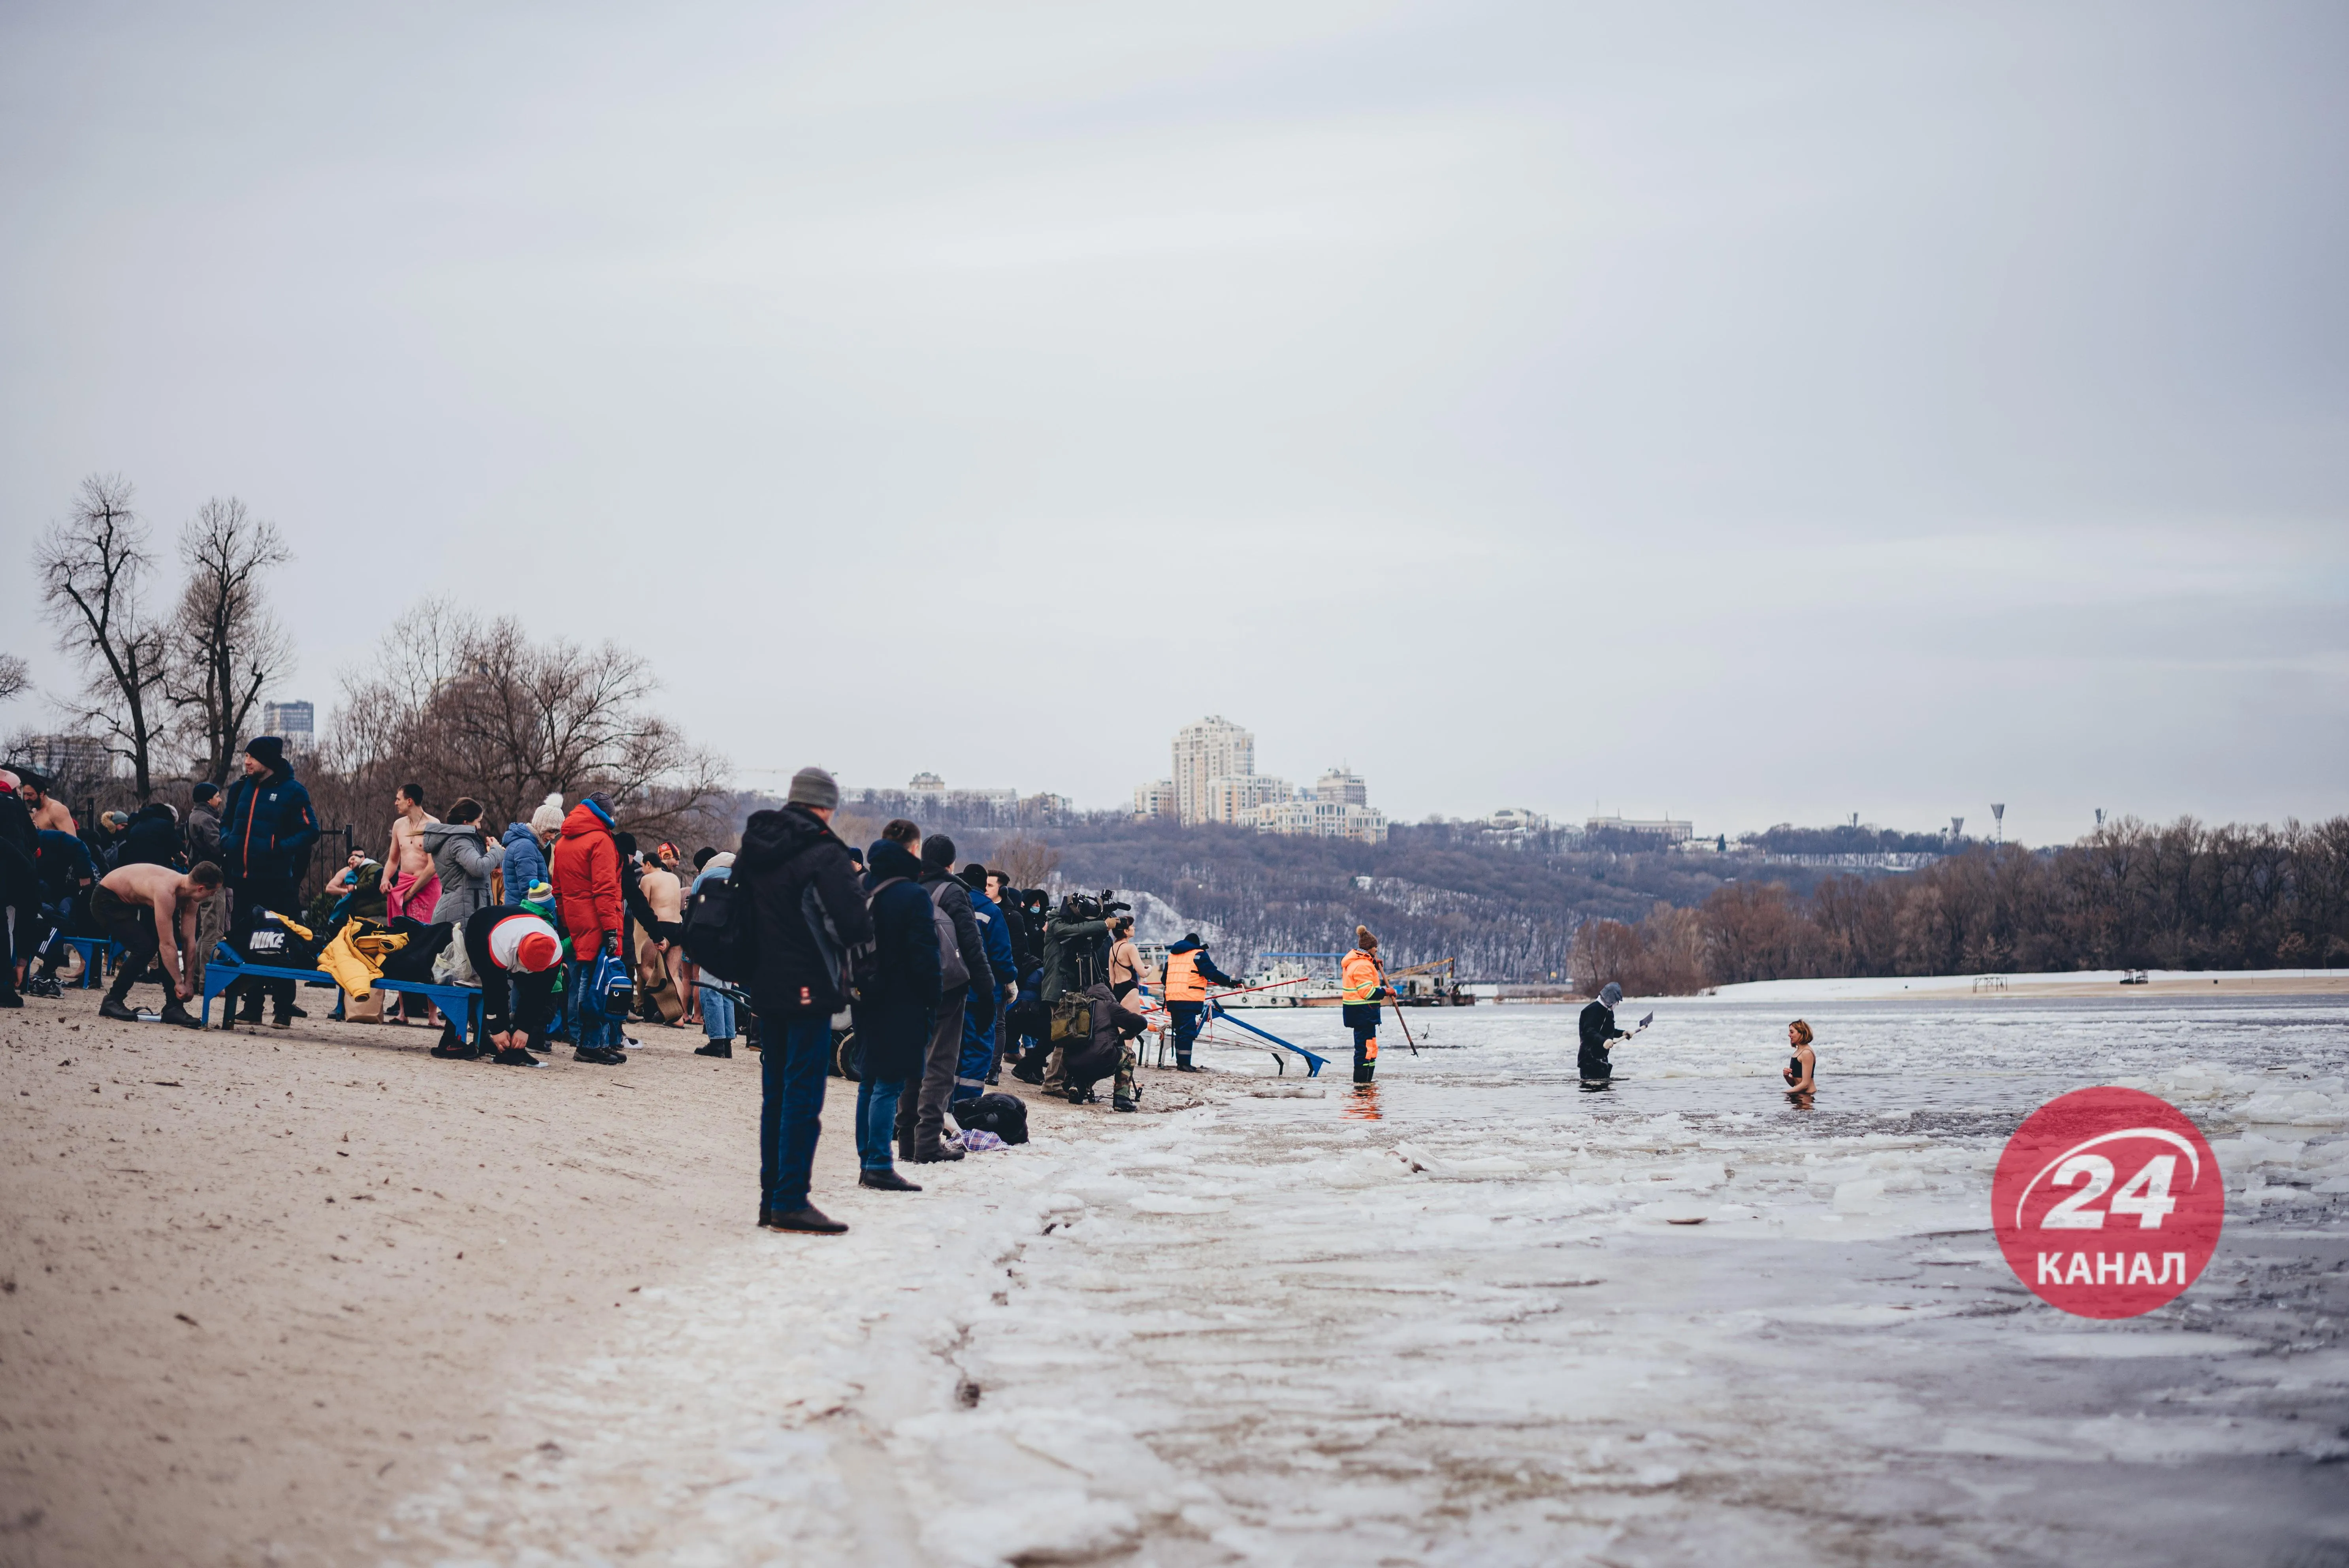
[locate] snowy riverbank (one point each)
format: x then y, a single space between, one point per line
1457 1324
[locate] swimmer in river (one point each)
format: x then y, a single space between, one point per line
1598 1031
1802 1072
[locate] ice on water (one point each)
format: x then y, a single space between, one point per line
1282 1329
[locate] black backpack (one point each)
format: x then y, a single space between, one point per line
1004 1115
717 934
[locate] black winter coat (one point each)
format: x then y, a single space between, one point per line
267 829
947 889
1598 1028
807 911
898 994
20 850
151 839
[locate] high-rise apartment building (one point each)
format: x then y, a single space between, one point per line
296 723
1342 787
1215 748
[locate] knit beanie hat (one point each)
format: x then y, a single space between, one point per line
269 750
525 943
1364 940
813 787
548 817
937 850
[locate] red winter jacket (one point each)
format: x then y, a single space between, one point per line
587 876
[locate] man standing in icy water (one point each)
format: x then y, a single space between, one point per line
1597 1028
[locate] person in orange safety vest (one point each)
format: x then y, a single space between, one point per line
1184 981
1363 981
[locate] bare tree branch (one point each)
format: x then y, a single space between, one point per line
15 677
226 648
93 571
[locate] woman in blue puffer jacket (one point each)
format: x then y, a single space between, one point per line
525 846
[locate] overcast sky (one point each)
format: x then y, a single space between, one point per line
1757 413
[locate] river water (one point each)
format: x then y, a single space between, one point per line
1454 1322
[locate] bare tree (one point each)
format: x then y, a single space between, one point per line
14 677
1026 861
226 648
93 570
468 708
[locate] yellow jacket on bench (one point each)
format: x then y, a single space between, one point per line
354 957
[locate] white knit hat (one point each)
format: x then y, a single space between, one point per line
548 817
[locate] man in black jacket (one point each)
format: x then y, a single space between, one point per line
20 886
920 1127
811 922
1597 1028
266 831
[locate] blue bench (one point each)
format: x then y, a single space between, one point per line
460 1004
90 948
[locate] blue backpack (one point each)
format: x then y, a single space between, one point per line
610 993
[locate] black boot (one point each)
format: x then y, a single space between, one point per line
807 1220
887 1181
717 1048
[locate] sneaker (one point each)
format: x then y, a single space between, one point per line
1028 1075
516 1057
46 985
716 1049
1186 1067
600 1055
807 1220
886 1180
449 1051
114 1008
942 1152
631 1043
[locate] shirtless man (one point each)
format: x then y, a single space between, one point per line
49 814
410 886
151 909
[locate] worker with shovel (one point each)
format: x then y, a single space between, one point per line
1363 981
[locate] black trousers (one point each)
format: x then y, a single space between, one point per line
1186 1016
133 925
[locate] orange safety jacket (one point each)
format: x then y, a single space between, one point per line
1359 978
1184 980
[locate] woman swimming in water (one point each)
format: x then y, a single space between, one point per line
1802 1072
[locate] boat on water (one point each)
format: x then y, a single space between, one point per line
1289 980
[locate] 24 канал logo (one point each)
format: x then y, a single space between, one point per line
2107 1202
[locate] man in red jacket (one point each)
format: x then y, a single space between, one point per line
585 872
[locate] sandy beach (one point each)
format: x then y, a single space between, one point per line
253 1285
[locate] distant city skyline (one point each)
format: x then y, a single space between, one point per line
1748 415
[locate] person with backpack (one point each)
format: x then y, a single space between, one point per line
808 921
897 998
717 995
587 881
969 982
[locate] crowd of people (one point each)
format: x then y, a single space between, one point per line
922 979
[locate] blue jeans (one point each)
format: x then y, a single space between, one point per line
876 1123
587 1029
717 1013
791 1113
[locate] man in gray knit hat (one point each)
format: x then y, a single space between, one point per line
798 981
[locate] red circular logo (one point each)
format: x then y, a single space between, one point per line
2107 1202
